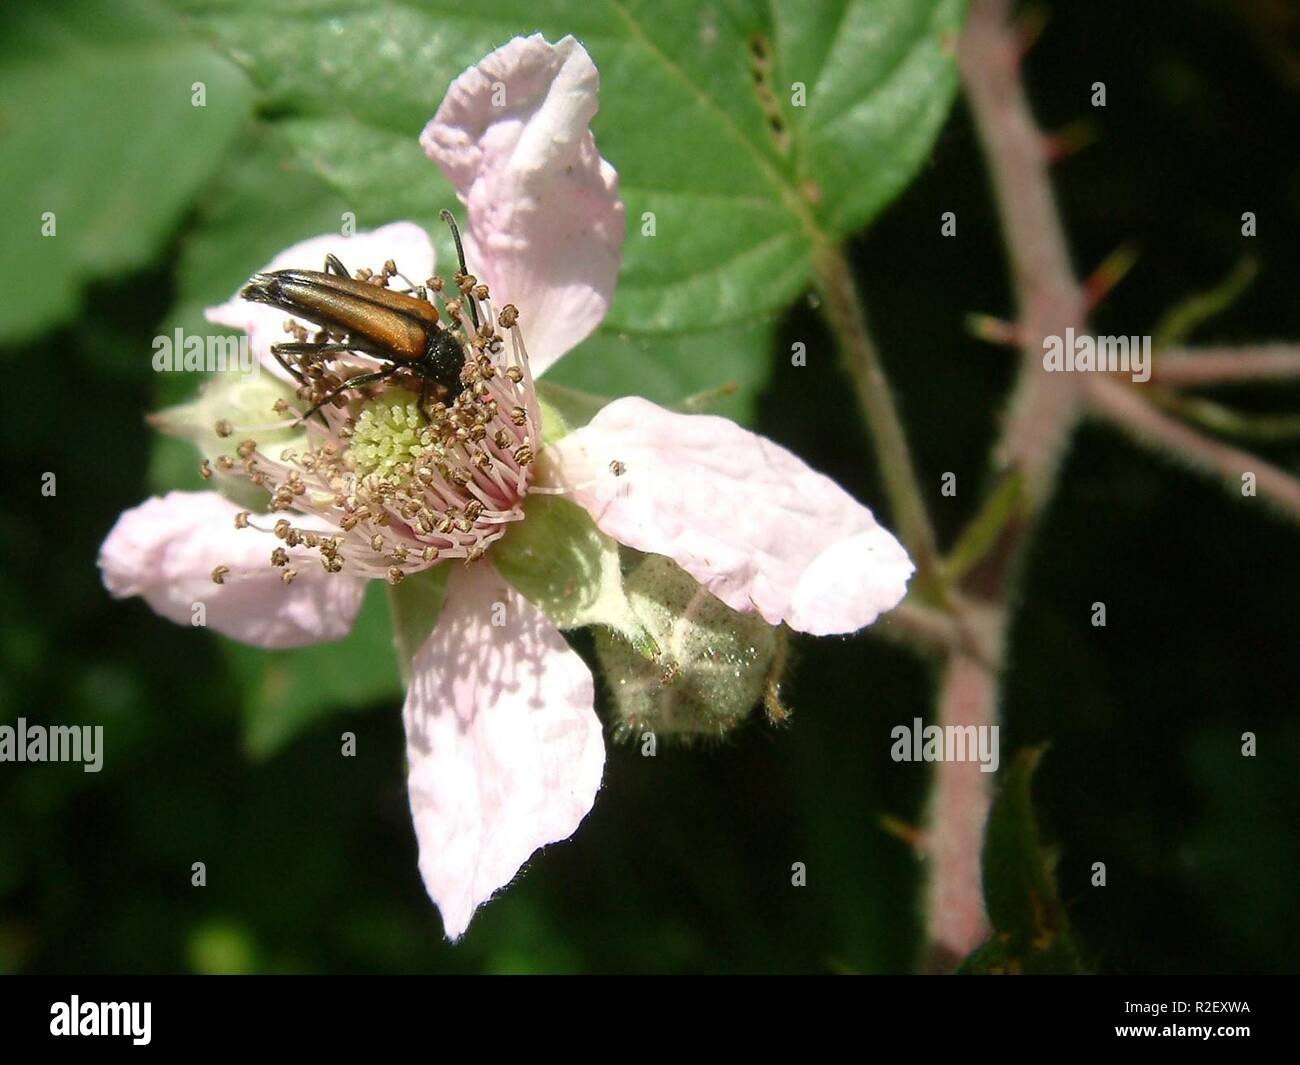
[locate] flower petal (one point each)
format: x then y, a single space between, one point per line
546 223
745 517
166 548
505 750
405 243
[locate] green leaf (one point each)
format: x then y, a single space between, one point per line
98 132
571 407
1031 933
669 367
724 228
283 693
261 201
570 569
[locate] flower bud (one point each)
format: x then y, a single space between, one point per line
715 664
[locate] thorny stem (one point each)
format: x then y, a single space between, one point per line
848 323
1042 415
1043 411
1120 403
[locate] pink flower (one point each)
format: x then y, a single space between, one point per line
505 750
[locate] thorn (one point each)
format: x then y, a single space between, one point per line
902 830
993 330
1069 140
703 400
1109 274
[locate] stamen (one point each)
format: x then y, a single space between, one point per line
403 488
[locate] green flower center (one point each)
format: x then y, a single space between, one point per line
389 436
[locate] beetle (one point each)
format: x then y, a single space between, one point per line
396 328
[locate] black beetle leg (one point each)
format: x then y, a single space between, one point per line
292 371
355 382
281 350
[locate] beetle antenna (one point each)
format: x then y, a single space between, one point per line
450 219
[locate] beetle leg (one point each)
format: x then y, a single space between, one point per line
311 347
292 371
355 382
295 348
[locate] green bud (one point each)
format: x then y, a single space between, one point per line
715 663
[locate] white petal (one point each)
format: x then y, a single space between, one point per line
546 223
166 549
749 520
505 750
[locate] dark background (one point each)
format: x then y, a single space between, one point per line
684 863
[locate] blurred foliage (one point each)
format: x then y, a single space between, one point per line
97 175
1031 933
231 757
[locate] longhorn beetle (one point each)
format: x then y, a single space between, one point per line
393 327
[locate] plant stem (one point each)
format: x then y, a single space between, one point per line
1130 411
1042 413
848 323
959 809
1228 366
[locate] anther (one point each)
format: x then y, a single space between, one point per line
219 574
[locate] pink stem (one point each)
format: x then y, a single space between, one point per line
1127 408
959 808
1228 366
